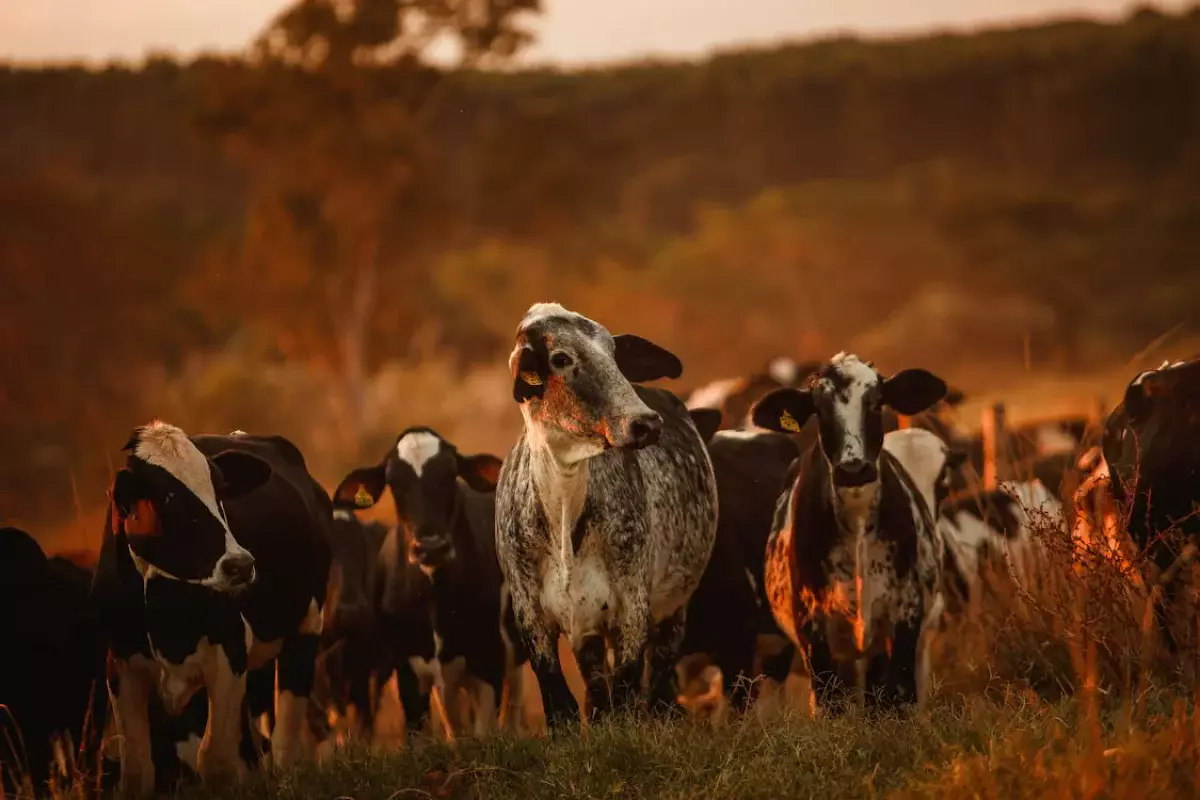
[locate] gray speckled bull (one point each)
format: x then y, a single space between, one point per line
606 510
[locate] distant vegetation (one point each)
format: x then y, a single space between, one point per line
317 246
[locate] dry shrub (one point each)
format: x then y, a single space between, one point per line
1082 620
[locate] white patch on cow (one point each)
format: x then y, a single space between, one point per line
848 410
580 596
168 447
783 369
743 434
343 515
429 673
218 756
1052 439
713 395
189 751
312 622
416 448
239 432
923 455
178 682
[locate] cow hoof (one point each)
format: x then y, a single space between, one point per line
220 770
137 783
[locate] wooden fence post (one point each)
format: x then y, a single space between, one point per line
995 453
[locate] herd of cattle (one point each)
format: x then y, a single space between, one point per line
818 519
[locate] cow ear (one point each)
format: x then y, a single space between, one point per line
707 422
954 397
241 473
642 361
912 391
127 490
783 410
529 377
362 488
481 472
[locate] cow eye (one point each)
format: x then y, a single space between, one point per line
560 360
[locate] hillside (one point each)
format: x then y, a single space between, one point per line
965 201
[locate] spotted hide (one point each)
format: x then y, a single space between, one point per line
606 510
854 559
999 525
445 502
1149 445
214 561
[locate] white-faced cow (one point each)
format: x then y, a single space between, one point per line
214 561
1154 463
446 503
854 560
606 511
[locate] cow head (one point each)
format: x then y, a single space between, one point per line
422 470
167 501
574 381
848 396
1148 438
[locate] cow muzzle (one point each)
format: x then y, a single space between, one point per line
235 571
636 431
432 550
854 473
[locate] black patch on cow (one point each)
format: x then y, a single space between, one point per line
179 615
996 508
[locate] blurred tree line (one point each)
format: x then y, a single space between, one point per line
340 200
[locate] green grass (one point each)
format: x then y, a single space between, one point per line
956 747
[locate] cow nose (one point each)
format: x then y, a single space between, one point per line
854 472
238 569
641 431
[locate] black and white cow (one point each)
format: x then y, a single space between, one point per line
447 504
606 511
52 671
854 561
729 617
1150 448
214 561
999 524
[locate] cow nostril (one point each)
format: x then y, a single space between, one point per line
239 569
645 430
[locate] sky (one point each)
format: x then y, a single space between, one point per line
570 31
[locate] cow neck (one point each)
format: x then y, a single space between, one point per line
562 489
855 512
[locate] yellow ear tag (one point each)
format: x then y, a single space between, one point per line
788 422
532 378
362 498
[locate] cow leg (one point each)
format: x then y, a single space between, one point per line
663 649
454 681
483 704
892 680
134 681
219 756
557 701
833 682
414 697
512 702
295 673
